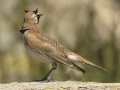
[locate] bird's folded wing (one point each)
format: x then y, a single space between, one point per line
49 51
65 61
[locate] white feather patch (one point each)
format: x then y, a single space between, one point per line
72 58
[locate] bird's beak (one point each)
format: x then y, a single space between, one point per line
39 15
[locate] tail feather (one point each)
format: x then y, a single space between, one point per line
91 64
75 58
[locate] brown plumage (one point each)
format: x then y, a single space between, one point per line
40 45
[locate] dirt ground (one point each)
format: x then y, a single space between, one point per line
60 85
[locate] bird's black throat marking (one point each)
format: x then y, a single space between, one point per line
23 30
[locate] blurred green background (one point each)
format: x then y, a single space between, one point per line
90 28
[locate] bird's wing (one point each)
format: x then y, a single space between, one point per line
49 51
65 61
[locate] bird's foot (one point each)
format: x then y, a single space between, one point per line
43 80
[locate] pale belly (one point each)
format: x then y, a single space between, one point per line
34 54
37 56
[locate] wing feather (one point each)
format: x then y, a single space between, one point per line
49 51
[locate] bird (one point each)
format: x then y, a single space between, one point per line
46 49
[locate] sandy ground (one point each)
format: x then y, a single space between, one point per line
60 85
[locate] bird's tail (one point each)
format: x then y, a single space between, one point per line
91 64
80 59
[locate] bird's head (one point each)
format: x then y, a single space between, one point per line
32 16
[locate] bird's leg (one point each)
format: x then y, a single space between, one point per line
47 77
49 74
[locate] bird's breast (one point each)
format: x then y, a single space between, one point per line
35 54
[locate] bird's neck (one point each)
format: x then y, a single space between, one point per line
29 25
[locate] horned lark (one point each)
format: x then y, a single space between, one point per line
39 45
